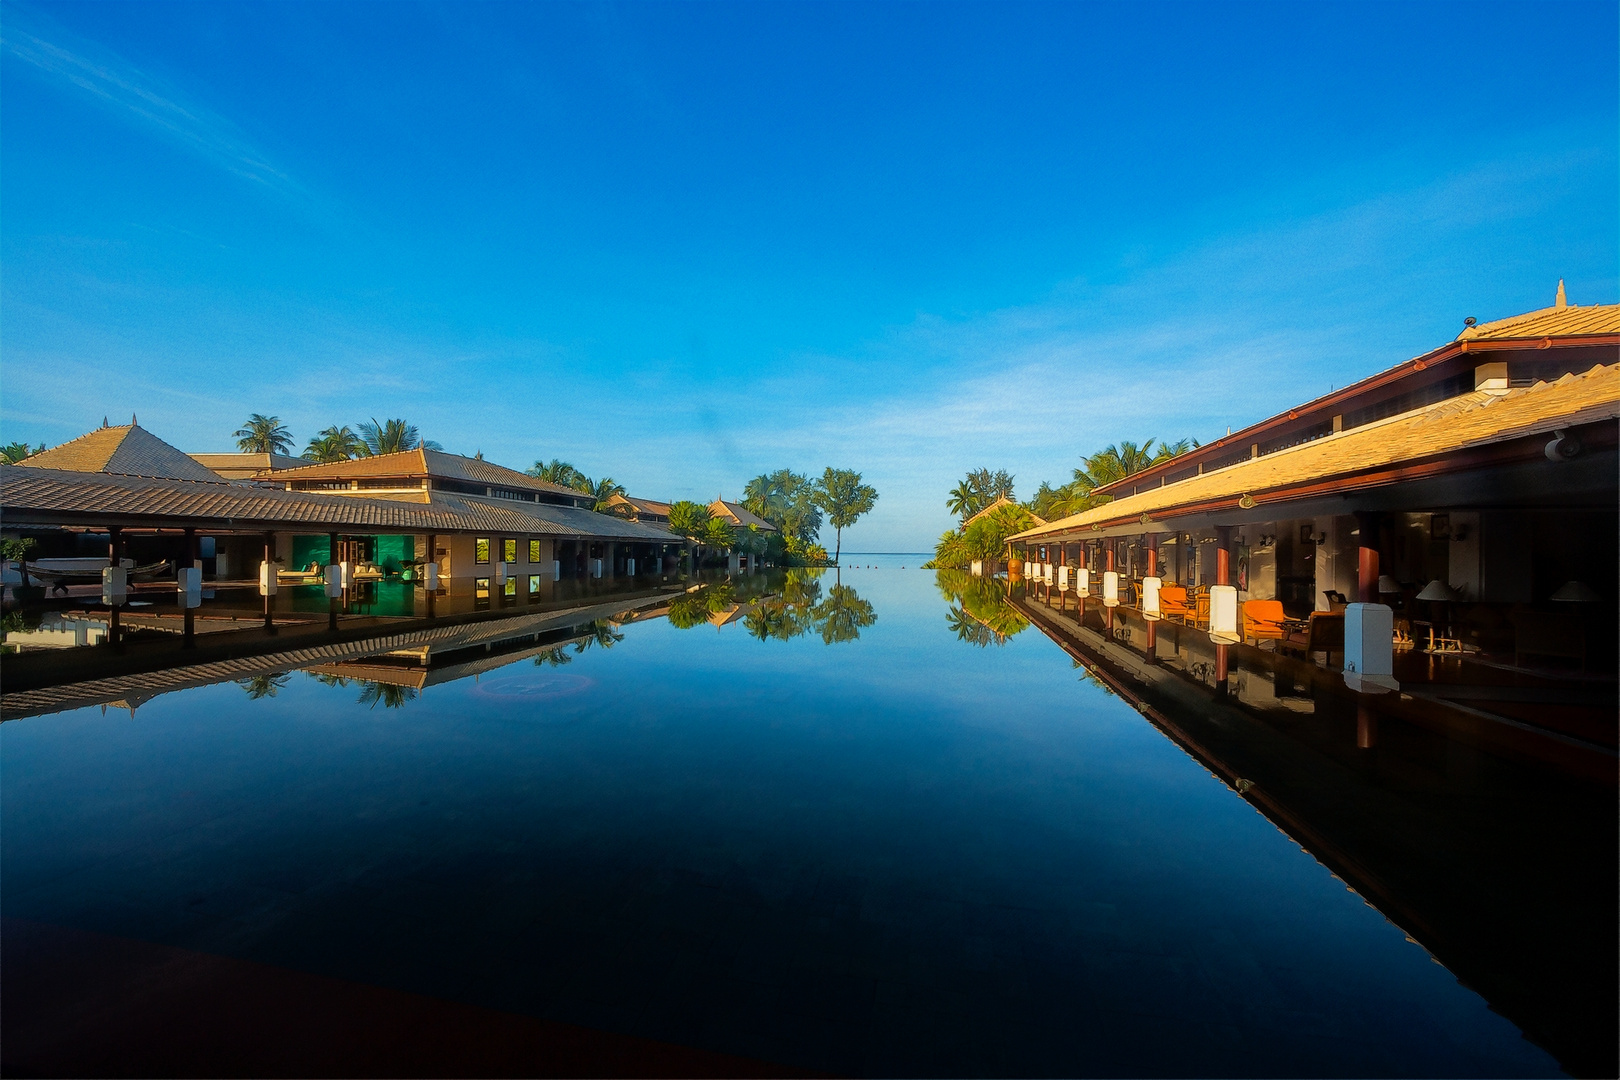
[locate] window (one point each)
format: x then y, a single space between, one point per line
508 551
481 554
534 551
481 588
510 588
534 584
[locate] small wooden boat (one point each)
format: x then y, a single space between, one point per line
83 575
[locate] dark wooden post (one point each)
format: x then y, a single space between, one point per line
270 569
1367 558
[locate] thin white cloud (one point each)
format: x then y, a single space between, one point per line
137 95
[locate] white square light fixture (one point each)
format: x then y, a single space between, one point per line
1110 589
1150 599
1082 582
1223 615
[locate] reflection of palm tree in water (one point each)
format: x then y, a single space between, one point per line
388 695
554 657
982 615
600 632
264 686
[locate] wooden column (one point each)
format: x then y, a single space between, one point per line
1367 557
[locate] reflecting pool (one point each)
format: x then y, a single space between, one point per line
829 822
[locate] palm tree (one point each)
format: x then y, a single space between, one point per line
388 695
263 686
599 632
556 657
557 472
264 435
602 490
1167 451
962 501
12 453
393 436
336 444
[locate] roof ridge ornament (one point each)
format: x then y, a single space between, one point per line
1560 301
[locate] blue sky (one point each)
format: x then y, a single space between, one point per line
682 244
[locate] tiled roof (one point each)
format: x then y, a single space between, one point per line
46 492
1473 419
419 463
127 450
740 515
997 505
644 506
249 461
1552 322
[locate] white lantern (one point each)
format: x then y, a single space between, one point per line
1150 599
1223 615
556 569
267 578
1110 589
114 585
596 568
500 573
1063 579
346 573
1046 572
1369 648
630 567
430 576
978 567
334 580
1082 581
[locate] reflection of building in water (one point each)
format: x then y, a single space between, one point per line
60 630
412 658
1491 843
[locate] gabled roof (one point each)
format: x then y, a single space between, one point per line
248 464
125 450
418 464
997 505
740 516
1563 319
640 506
1461 423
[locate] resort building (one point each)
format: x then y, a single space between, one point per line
491 531
248 466
1472 490
740 517
647 511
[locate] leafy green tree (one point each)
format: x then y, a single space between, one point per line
688 518
787 500
12 453
843 615
845 499
264 435
18 550
335 444
719 534
393 437
977 490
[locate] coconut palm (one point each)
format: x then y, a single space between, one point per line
553 658
393 436
599 632
557 471
336 444
264 435
264 686
388 695
12 453
718 534
602 490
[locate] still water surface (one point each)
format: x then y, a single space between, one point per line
894 853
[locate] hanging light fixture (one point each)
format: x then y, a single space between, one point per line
1576 592
1110 588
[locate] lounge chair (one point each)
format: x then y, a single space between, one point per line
1264 619
1323 632
1173 602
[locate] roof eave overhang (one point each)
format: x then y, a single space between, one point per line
1597 435
1338 398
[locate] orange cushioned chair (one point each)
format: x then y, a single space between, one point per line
1263 619
1173 602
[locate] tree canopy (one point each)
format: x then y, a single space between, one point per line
335 444
845 499
393 436
977 490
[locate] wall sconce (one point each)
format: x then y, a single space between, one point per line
1082 582
1223 615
